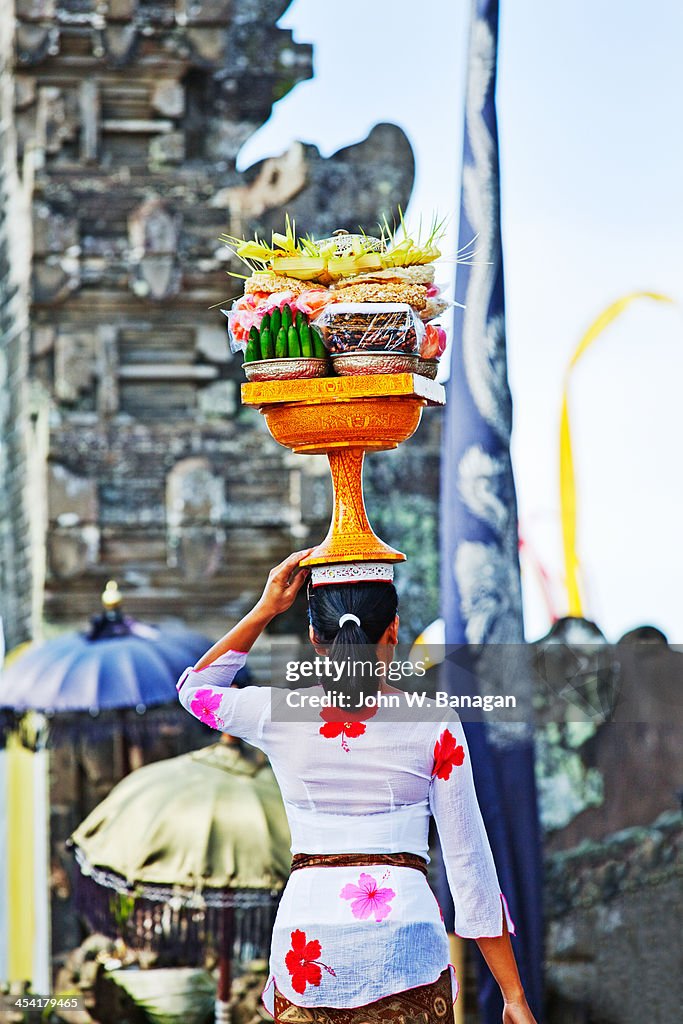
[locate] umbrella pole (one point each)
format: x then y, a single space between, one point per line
222 1009
134 757
223 992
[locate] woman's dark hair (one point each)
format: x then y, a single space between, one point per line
375 604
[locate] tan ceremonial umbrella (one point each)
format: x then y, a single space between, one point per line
187 856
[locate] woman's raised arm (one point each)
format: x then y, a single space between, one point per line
283 584
205 690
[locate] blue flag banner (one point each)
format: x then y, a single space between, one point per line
481 588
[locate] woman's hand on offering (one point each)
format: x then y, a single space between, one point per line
284 583
517 1012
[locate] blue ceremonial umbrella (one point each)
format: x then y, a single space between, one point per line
117 664
138 668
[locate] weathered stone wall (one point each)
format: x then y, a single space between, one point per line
402 489
591 771
613 880
617 754
614 928
16 590
131 115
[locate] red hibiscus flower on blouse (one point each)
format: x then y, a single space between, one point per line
348 725
302 962
447 755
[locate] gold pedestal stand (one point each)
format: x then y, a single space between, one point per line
343 418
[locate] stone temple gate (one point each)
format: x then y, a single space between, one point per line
124 451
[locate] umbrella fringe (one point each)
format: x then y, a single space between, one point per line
179 926
139 728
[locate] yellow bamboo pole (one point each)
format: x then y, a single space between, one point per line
457 947
20 864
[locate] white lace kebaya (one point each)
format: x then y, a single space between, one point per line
347 936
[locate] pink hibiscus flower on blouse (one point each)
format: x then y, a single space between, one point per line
447 755
204 706
368 898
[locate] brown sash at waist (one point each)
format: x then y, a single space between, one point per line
347 860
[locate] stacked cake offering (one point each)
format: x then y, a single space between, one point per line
345 305
353 315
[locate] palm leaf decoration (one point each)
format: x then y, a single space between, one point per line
325 261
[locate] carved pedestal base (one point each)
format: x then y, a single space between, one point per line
350 537
343 417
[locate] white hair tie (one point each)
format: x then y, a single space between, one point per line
348 617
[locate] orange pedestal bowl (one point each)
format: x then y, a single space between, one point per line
343 417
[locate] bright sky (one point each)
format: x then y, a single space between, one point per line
592 161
